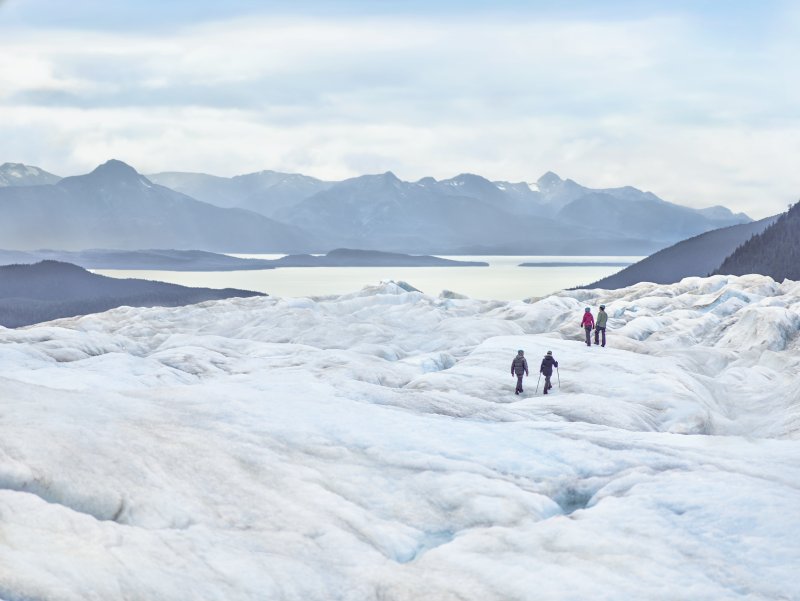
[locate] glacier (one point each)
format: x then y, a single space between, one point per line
369 446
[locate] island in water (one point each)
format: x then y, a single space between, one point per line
197 260
346 257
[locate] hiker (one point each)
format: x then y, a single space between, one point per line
588 324
600 325
546 369
519 367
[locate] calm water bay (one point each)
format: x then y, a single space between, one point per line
502 280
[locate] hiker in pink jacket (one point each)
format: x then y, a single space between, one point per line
588 324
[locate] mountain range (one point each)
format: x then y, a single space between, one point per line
265 192
461 215
116 207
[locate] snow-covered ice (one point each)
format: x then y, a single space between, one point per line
370 447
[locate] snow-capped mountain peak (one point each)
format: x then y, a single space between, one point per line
19 174
115 169
548 181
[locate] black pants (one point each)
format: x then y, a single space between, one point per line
588 335
547 384
519 383
597 331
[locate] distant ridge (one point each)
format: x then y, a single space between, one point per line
116 207
273 212
51 290
154 259
469 212
466 214
265 192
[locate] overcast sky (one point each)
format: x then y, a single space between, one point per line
698 102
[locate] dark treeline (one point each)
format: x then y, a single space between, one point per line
697 256
774 252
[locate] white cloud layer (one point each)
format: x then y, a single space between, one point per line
651 102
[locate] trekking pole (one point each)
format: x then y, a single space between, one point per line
537 383
558 373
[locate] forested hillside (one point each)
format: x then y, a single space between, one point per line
775 252
697 256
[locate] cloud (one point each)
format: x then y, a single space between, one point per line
645 101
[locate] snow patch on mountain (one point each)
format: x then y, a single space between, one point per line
18 174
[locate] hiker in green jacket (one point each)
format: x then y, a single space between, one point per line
600 325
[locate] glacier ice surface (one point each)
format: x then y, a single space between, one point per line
369 446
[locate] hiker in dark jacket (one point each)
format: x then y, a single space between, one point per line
600 325
519 367
546 369
588 324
